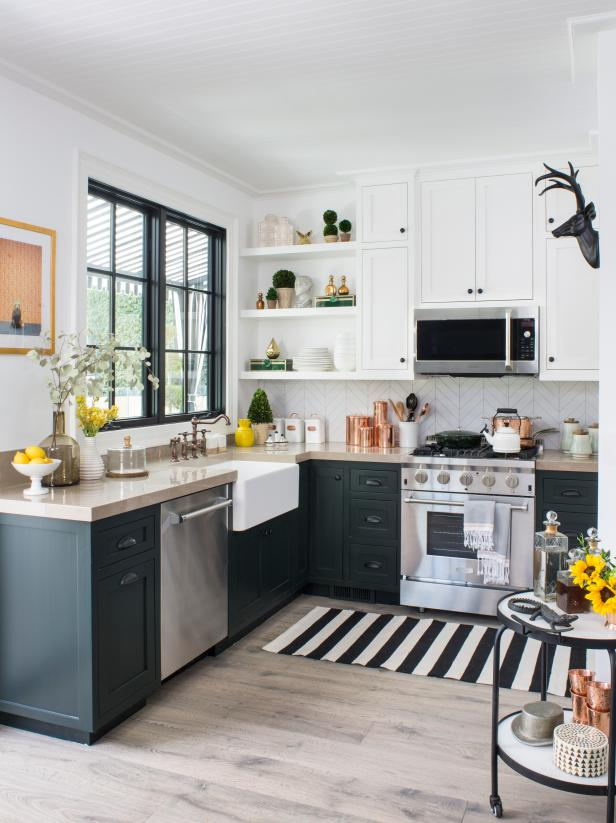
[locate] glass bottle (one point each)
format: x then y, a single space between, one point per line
330 288
61 446
267 230
551 549
570 597
284 232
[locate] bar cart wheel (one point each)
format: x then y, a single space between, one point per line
496 806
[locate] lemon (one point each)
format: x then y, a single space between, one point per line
38 461
21 458
35 451
48 460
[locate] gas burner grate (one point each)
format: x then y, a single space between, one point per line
483 452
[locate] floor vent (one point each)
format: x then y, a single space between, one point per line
352 593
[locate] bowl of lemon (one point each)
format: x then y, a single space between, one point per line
33 462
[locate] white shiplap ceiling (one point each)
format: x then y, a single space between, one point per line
284 93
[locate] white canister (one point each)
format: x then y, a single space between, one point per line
294 428
279 425
581 448
409 435
570 425
315 429
593 431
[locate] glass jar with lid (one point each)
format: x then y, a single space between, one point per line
550 557
570 597
284 232
267 230
127 461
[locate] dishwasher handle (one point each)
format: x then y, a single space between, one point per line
177 519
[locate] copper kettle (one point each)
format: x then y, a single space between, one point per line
509 418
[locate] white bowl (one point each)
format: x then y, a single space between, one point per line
36 472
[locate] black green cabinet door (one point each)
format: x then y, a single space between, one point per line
126 635
245 585
276 556
327 522
302 527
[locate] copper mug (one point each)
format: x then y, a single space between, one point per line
579 679
600 720
599 696
580 708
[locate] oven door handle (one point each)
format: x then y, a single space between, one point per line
454 503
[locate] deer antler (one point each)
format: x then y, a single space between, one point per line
571 184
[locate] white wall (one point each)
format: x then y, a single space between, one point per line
607 392
42 146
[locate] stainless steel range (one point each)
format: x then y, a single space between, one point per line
437 571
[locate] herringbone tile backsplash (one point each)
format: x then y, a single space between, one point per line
455 401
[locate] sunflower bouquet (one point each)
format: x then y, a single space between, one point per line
596 574
92 419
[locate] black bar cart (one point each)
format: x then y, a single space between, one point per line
536 764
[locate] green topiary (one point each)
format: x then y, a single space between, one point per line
330 217
272 294
345 226
330 229
284 279
260 410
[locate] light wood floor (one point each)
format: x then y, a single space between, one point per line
252 736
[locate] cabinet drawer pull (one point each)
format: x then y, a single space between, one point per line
373 564
373 519
129 578
127 543
570 493
372 482
338 477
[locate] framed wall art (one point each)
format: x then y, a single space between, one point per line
27 287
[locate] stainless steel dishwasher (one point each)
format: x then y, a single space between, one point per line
193 576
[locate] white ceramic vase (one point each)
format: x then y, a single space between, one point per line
91 466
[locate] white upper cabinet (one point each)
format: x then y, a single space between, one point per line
560 205
385 213
385 309
571 323
448 241
504 237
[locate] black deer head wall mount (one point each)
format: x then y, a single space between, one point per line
580 225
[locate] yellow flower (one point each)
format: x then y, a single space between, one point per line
579 572
596 600
596 584
609 607
595 563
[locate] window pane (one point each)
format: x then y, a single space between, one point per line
198 259
198 399
99 233
174 254
198 317
174 319
98 307
174 383
129 312
129 400
129 241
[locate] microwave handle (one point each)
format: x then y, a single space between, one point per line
508 364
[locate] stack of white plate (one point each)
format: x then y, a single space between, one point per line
313 359
344 352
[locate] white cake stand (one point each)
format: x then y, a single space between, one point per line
36 472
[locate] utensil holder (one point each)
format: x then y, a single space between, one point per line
409 435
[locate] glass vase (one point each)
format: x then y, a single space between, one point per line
61 446
91 466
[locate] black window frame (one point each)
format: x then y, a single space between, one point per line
154 284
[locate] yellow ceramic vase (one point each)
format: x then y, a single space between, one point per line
244 435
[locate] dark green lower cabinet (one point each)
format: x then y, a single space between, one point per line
573 495
79 621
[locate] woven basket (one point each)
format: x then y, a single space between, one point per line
580 750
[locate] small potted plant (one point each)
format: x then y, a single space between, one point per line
284 283
271 297
260 415
330 230
345 227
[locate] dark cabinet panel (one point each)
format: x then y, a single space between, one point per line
277 544
127 655
375 481
126 536
373 567
327 516
573 495
245 584
302 527
373 520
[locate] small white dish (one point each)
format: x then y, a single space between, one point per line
36 472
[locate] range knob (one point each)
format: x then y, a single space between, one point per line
512 481
443 478
466 478
421 476
488 479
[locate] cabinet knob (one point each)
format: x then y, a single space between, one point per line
403 359
550 219
470 291
479 291
402 230
338 477
551 359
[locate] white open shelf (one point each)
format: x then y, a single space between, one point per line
295 314
304 375
311 250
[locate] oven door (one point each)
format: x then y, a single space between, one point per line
433 539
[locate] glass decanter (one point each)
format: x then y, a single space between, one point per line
550 557
62 446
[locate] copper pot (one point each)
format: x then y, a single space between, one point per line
518 423
354 423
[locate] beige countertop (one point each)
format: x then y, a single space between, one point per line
95 500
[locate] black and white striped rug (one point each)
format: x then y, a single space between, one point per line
432 648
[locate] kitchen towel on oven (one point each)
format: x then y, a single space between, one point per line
494 562
479 524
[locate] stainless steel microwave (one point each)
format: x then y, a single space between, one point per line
477 341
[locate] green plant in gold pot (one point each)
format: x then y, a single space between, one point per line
345 227
260 415
271 297
284 283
